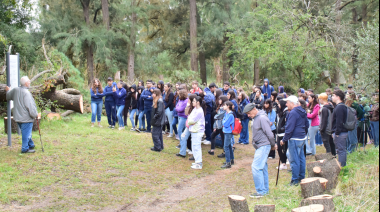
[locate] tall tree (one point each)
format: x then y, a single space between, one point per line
89 44
106 14
193 35
131 57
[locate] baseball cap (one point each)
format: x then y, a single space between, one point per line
109 79
292 99
249 107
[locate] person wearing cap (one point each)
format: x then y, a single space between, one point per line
296 130
267 89
110 103
263 141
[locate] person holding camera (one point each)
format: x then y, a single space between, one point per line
267 89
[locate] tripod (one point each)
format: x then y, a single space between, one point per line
363 135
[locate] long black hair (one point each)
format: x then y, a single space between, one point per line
232 95
169 92
270 108
204 106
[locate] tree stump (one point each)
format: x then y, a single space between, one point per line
326 156
328 169
313 186
238 203
310 208
326 200
265 208
14 125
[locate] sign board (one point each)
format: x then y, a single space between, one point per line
14 72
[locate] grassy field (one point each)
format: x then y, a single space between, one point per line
98 169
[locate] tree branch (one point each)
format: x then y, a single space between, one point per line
39 75
347 3
96 13
45 53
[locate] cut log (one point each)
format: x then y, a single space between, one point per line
326 156
66 100
310 208
317 171
14 125
238 203
313 187
67 113
326 200
323 181
53 116
265 208
328 169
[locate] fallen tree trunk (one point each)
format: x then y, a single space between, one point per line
326 200
67 113
312 187
238 203
265 208
14 125
310 208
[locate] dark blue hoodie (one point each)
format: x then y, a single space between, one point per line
282 91
267 90
209 99
242 105
140 102
148 99
119 96
109 93
297 124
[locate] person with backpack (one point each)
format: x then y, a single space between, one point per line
158 120
228 126
244 135
119 94
132 97
263 141
325 126
267 89
313 116
110 103
354 135
272 115
340 132
218 124
282 115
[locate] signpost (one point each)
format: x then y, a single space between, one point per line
13 81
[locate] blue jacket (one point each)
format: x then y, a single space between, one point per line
272 118
297 124
148 99
98 97
282 91
226 92
236 112
267 89
109 93
119 96
209 99
228 122
242 106
140 104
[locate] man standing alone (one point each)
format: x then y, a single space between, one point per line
24 112
263 141
296 130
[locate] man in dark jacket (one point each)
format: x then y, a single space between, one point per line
296 130
340 132
110 103
148 103
227 88
210 101
325 126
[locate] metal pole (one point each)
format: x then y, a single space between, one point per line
9 112
18 80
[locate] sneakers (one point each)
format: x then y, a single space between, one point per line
177 137
29 151
232 162
226 166
100 126
178 147
192 158
294 183
137 130
211 152
196 166
222 155
163 132
170 136
206 142
112 127
270 158
121 128
190 152
181 156
133 129
283 167
256 196
143 130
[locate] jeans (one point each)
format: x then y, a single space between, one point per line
196 143
318 138
181 126
148 114
169 114
328 142
174 125
111 113
96 108
208 127
341 147
183 141
228 147
352 139
244 135
311 148
26 131
120 114
132 116
260 170
375 132
297 159
141 119
213 137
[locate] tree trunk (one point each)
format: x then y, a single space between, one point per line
238 203
86 10
193 35
326 200
329 169
364 13
226 69
265 208
106 14
67 113
310 208
354 16
202 63
257 72
90 62
68 99
218 70
131 58
338 20
14 125
312 187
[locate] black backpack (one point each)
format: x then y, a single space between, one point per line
350 123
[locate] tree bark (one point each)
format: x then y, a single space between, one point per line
310 208
67 99
364 13
326 200
330 170
131 58
326 156
238 203
226 68
256 80
218 70
89 45
265 208
338 20
202 64
193 35
106 14
312 187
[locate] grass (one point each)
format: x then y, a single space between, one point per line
96 169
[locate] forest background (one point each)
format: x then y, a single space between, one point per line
294 43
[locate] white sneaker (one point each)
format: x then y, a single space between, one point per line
133 129
270 158
121 128
170 136
163 132
287 162
283 167
206 142
177 137
196 166
190 152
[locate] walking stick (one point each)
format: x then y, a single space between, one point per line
38 124
278 170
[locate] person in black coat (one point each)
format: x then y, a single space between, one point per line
132 99
169 107
157 121
258 100
282 114
127 103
